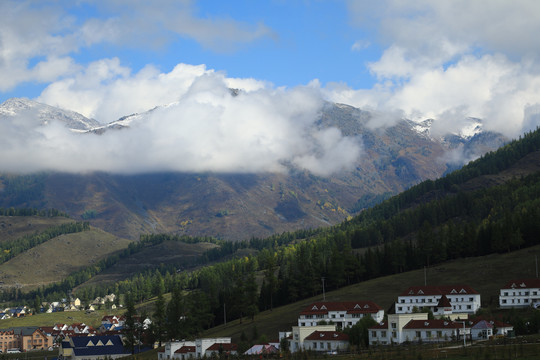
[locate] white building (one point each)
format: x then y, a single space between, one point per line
462 299
197 349
326 341
297 340
482 329
415 327
342 314
391 331
520 293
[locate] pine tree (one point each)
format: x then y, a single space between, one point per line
159 317
130 327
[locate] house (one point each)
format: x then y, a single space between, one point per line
218 349
482 329
434 330
462 299
400 328
9 340
93 348
25 339
342 314
203 344
520 293
17 312
184 349
185 352
170 349
4 316
391 331
262 349
297 339
326 341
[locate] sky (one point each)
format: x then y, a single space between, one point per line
442 60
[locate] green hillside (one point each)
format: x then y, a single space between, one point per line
53 260
486 274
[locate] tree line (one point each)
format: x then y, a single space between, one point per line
31 212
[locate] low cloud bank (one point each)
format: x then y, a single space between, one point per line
208 128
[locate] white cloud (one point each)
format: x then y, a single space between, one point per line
449 60
106 90
205 127
360 45
39 40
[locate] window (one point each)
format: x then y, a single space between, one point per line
322 345
394 334
373 334
328 346
394 325
314 344
439 334
428 334
400 308
471 299
418 335
383 333
504 301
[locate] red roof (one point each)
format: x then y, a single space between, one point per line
496 323
382 325
223 346
350 307
438 290
432 324
522 284
328 336
444 302
185 350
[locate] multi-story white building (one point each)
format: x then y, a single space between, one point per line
342 314
520 293
416 327
462 299
318 338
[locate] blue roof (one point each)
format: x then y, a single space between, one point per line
99 345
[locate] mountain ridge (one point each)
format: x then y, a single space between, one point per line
239 206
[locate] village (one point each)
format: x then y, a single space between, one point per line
420 314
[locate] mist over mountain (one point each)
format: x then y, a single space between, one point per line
225 164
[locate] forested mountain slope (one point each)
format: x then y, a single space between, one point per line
237 206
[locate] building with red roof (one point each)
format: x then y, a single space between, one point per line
462 299
342 314
217 349
416 327
326 341
520 293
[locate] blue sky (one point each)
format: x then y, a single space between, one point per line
298 41
418 59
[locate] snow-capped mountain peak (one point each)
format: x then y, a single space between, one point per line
46 113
